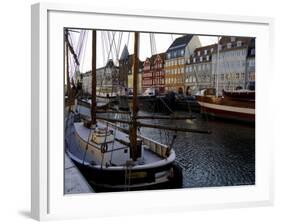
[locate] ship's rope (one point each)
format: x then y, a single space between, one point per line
104 145
128 173
166 105
84 50
128 40
114 72
113 145
108 56
87 145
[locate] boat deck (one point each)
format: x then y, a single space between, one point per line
117 155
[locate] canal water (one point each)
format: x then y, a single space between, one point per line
225 157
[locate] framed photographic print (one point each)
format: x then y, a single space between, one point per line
164 111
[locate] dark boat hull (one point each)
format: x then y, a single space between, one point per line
111 178
187 103
239 95
103 180
159 104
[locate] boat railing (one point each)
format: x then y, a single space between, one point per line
156 147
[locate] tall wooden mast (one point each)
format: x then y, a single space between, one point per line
133 131
94 80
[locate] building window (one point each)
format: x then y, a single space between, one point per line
207 57
169 55
205 52
239 43
232 39
182 52
198 53
252 51
194 60
188 61
201 59
228 45
212 49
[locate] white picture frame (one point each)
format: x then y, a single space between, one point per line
48 201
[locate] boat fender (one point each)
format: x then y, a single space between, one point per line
104 147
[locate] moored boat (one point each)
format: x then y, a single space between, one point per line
238 104
235 106
115 158
106 160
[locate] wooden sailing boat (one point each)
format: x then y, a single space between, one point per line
113 158
233 105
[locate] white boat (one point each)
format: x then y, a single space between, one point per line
115 158
111 159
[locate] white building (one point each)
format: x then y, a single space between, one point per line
107 78
198 69
229 71
251 66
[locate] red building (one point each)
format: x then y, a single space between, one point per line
154 73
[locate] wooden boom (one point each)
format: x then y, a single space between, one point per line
138 124
166 117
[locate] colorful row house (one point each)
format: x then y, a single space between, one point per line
154 73
175 59
186 67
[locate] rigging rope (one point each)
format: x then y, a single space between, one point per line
128 40
103 47
84 50
108 56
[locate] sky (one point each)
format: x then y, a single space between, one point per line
162 43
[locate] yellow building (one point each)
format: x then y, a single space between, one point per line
175 60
